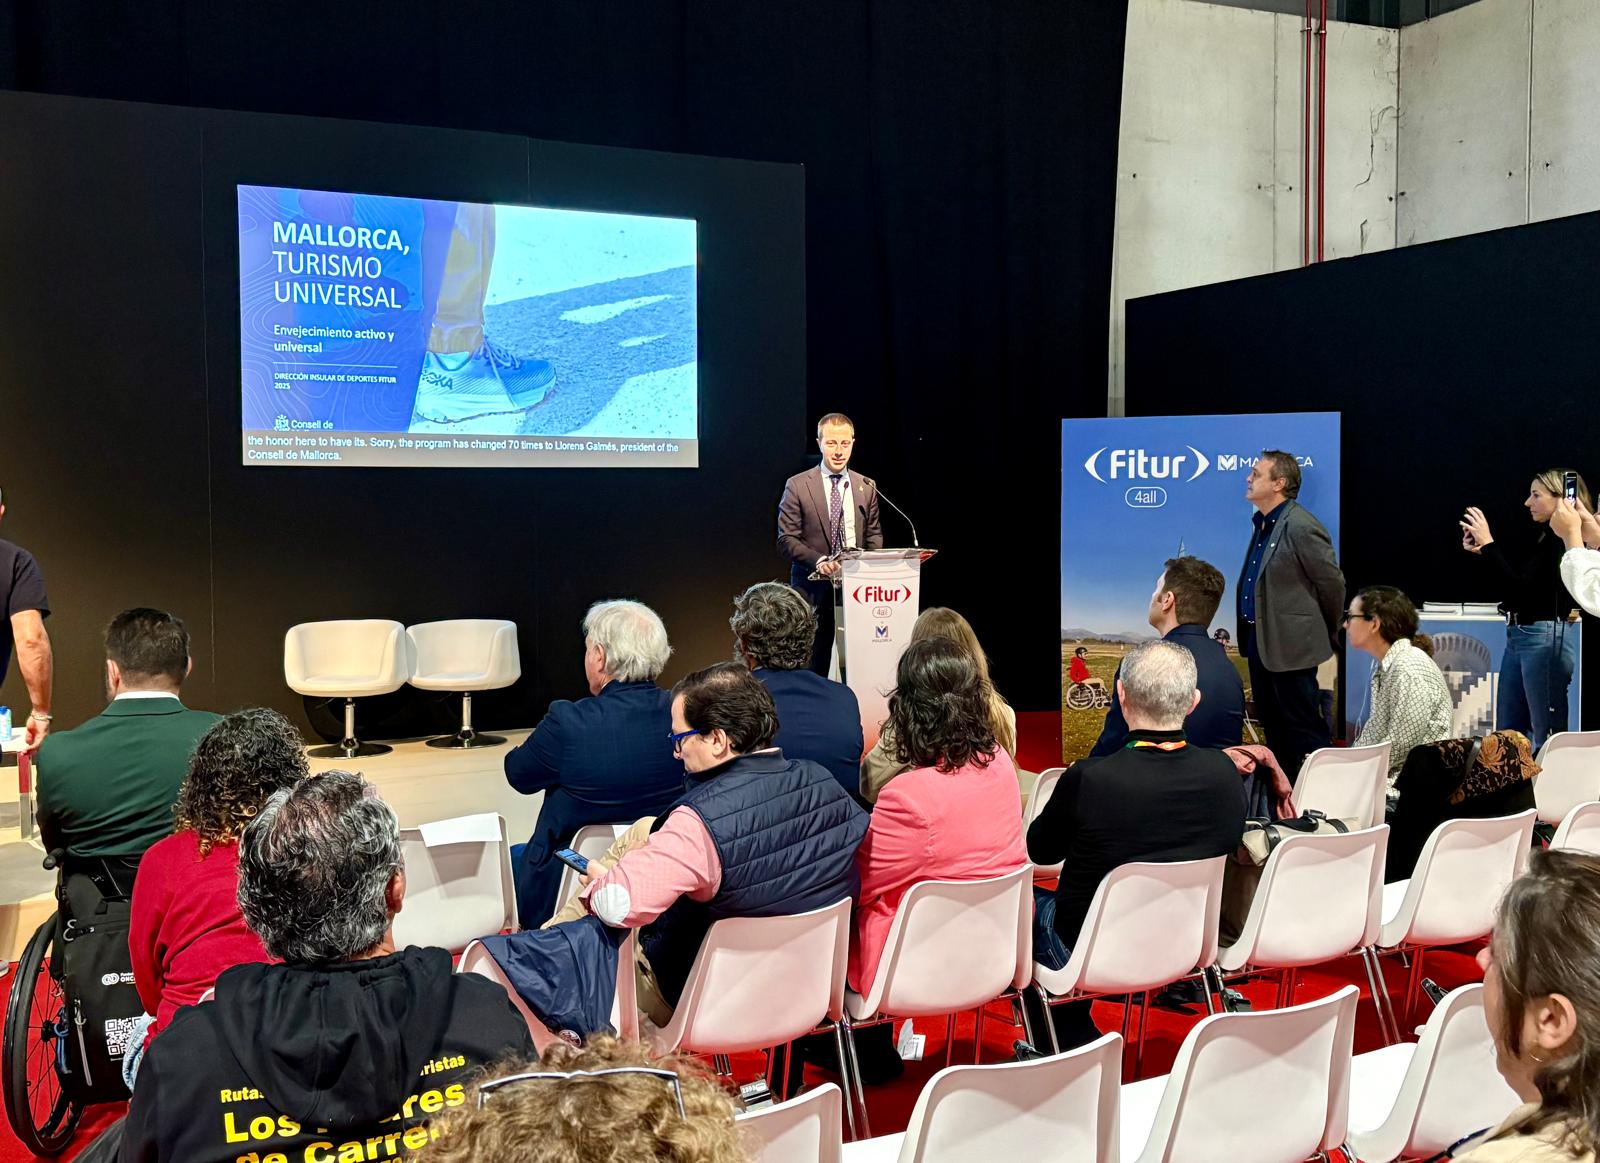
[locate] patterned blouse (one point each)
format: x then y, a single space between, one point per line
1410 704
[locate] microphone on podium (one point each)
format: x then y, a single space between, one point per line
915 544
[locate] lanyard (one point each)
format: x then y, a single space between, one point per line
1169 745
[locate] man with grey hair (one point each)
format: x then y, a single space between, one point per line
346 1048
773 627
1156 799
599 760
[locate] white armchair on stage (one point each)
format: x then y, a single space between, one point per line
466 655
346 659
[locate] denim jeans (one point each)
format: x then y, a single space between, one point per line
1049 949
1534 676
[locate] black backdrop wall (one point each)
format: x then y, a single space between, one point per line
119 314
1462 368
960 177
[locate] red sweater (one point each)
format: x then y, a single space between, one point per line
186 927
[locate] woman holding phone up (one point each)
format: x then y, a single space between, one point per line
1541 648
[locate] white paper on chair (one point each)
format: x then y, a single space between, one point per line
482 828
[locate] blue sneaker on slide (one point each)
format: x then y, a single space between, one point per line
490 381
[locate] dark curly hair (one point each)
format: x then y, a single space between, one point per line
1395 614
939 711
235 768
774 626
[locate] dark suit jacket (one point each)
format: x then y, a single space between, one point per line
803 519
1299 593
106 787
1217 722
599 760
818 719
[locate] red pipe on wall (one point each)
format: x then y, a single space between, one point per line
1322 120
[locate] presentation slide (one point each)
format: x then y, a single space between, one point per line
376 330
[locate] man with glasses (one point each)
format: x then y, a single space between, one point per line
754 835
822 513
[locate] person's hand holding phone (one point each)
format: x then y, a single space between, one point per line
1475 530
1567 523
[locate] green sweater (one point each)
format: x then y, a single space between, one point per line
106 788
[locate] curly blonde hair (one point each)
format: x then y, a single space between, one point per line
614 1117
235 768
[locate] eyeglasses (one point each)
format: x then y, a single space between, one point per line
668 1076
677 739
1351 616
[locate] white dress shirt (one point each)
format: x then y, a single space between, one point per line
847 537
1580 573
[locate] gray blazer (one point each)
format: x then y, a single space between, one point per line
1299 593
803 518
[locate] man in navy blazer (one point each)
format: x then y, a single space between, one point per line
825 510
818 719
601 760
1185 600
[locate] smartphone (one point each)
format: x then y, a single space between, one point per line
572 860
1569 485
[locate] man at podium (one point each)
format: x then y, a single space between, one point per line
824 511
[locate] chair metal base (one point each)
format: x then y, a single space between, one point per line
349 749
466 737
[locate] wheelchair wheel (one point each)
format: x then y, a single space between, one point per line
41 1112
1079 697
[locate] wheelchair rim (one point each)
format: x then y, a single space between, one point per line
41 1112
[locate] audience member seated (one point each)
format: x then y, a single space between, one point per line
1456 779
598 760
608 1101
881 763
1541 1001
953 815
106 787
1181 608
347 1048
773 626
186 926
1158 799
748 811
1409 702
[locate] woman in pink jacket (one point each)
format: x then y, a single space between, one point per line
954 815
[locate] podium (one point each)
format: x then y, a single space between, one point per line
879 591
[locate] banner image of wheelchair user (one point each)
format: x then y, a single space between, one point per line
1136 491
377 330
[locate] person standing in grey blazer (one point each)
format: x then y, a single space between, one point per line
823 511
1290 599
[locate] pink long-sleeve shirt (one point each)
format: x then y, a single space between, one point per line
680 860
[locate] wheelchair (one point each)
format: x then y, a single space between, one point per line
73 1004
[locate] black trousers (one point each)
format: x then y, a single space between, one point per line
1289 708
820 595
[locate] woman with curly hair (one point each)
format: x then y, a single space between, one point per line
1541 1001
608 1100
953 813
185 926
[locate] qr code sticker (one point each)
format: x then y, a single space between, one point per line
118 1031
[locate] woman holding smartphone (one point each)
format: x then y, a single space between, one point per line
1541 648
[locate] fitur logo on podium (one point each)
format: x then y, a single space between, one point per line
1138 464
883 600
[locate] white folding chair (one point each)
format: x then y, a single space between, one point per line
1148 926
1580 829
761 982
1318 900
807 1129
1061 1107
1569 774
591 841
1345 783
954 945
458 882
1269 1087
1042 791
1413 1100
1464 868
